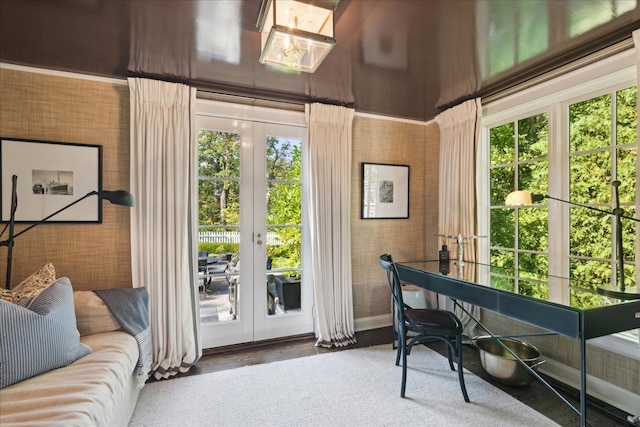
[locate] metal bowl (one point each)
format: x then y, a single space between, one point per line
501 365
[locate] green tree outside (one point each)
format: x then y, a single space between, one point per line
219 192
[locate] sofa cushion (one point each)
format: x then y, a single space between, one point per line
31 286
98 390
41 337
92 314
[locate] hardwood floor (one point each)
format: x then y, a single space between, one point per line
534 395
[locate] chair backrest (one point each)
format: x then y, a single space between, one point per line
393 281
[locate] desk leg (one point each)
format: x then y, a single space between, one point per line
583 381
583 393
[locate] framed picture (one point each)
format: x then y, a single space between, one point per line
50 176
385 191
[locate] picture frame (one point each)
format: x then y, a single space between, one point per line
385 191
50 176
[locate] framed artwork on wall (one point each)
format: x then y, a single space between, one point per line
50 176
385 191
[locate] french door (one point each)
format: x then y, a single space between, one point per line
251 234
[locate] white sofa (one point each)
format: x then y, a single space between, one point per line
99 389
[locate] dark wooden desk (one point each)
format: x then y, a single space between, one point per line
581 324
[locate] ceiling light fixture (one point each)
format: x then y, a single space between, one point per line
296 34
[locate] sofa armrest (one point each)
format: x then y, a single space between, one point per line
92 314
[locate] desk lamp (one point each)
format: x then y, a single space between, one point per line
520 198
118 197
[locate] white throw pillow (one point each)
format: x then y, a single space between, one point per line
92 314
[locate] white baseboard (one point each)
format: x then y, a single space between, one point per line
372 322
602 390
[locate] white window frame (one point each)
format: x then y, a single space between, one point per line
553 97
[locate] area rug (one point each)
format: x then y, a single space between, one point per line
359 387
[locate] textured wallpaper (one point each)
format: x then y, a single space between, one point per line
393 142
51 108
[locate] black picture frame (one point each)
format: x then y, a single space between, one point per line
384 191
50 175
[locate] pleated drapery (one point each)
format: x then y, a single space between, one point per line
330 141
459 135
163 223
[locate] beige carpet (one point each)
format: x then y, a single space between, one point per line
359 387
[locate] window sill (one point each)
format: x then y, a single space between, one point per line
619 344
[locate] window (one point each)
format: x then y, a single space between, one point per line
218 182
284 204
518 239
602 148
567 140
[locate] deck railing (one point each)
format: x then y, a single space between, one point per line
231 237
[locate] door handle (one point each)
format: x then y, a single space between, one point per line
259 241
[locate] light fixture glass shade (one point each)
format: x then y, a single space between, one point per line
518 198
523 198
295 34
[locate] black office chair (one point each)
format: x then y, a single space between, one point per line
427 324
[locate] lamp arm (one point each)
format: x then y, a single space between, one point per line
591 207
579 205
119 197
520 198
6 242
618 213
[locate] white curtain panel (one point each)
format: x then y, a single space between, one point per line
163 224
330 141
459 134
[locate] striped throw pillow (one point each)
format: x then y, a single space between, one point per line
41 337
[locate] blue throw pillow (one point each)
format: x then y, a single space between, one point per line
40 337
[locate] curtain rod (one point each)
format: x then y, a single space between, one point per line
244 100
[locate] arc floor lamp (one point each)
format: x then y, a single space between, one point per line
118 197
523 198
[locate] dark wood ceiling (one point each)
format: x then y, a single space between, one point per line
401 58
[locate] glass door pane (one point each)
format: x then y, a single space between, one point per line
219 224
284 224
225 219
283 303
